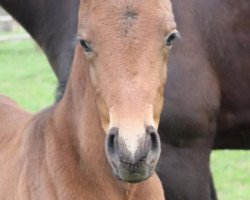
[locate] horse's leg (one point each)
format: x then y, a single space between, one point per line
185 174
212 188
187 127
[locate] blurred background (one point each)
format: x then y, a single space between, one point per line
26 76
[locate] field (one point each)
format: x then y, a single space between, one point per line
25 75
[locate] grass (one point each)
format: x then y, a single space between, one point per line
25 76
231 170
16 32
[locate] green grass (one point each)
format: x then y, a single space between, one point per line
25 76
20 31
231 170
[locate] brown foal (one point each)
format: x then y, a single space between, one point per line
100 141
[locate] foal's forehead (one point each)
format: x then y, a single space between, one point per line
124 14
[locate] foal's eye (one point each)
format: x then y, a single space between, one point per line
170 38
87 47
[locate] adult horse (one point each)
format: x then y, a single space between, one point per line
59 153
207 91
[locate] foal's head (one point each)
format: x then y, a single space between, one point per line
126 45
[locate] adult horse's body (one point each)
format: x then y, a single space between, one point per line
207 98
69 151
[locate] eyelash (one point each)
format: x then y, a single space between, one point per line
87 47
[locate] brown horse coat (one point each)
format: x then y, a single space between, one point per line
59 153
223 50
40 156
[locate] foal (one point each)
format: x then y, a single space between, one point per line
104 128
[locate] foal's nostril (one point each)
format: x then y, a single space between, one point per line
111 141
153 140
153 137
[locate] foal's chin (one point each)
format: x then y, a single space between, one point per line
133 173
